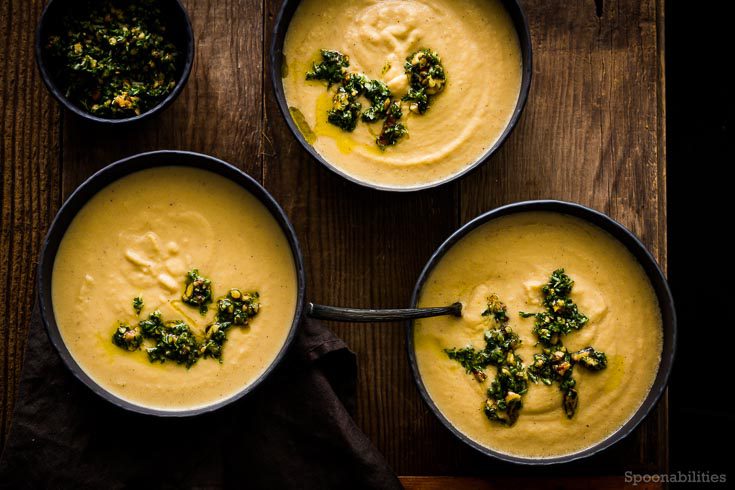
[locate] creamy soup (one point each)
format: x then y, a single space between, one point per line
480 52
513 257
140 236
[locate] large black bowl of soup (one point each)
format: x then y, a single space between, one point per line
401 95
171 283
566 338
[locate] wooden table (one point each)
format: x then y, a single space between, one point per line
593 132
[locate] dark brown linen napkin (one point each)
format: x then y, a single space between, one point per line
293 431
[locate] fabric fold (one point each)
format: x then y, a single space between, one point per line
293 431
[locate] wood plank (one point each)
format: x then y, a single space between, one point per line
593 133
219 112
363 248
566 483
29 162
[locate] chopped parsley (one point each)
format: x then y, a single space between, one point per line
555 363
198 291
237 307
345 110
426 78
473 361
114 58
417 99
392 129
562 314
174 340
137 304
127 337
332 68
504 396
379 95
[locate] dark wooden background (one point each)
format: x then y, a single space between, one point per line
593 132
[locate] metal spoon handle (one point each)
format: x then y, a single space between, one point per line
336 313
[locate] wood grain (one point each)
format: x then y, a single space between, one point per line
29 161
593 132
362 248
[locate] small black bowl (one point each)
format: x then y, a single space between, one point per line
96 183
660 287
283 21
179 27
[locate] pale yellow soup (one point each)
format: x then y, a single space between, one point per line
481 55
139 236
514 256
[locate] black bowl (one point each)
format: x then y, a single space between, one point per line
178 25
660 286
105 177
283 21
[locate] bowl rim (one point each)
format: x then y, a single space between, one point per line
658 281
520 22
56 92
98 182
